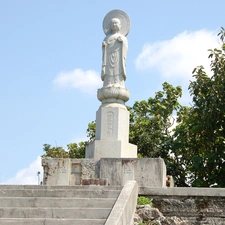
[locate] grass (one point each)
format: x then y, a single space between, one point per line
144 201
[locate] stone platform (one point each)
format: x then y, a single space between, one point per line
148 172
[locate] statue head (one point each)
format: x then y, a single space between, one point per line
115 25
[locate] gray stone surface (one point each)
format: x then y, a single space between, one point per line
38 202
181 191
194 210
149 215
74 170
63 213
95 193
111 149
48 221
196 206
148 172
46 187
125 206
114 123
41 205
45 205
112 134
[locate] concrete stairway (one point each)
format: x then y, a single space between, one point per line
56 205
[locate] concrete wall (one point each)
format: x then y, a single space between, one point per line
69 171
150 172
197 206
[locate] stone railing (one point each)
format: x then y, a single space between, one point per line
125 206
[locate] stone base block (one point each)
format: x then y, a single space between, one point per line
69 171
110 149
112 123
148 172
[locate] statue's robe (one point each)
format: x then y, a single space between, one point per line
115 47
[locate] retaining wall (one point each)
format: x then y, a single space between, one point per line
197 206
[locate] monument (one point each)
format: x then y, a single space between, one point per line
110 159
112 117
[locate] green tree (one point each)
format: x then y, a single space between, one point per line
151 124
77 150
74 150
54 152
91 131
180 156
200 138
151 121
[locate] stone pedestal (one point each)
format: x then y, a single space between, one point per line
110 149
56 171
148 172
69 171
112 123
110 157
112 134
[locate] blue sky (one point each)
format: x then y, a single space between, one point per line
50 63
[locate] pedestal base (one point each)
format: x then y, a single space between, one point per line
148 172
110 149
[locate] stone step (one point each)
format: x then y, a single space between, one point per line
56 205
66 193
37 221
56 202
58 213
83 187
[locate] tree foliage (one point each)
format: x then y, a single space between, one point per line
198 141
151 121
202 132
73 150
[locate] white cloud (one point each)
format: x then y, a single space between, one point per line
86 81
176 58
27 175
173 121
78 139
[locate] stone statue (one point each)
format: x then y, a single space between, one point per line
114 49
116 26
112 117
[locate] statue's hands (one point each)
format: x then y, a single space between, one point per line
120 39
104 44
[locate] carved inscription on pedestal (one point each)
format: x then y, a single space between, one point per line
110 121
128 170
62 172
62 169
76 170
